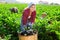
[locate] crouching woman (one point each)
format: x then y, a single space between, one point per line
28 17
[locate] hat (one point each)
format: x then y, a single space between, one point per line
30 4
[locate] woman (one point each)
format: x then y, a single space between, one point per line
44 14
28 17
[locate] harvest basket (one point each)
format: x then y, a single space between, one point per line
30 37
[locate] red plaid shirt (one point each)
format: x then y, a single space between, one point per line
26 15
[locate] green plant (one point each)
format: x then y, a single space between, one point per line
10 22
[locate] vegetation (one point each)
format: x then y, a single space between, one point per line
48 28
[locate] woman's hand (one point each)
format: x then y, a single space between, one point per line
30 23
24 25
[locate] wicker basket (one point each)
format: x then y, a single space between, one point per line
31 37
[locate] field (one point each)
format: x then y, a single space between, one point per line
48 28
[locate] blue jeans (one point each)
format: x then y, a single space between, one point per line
22 28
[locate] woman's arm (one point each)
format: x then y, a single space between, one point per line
33 17
24 17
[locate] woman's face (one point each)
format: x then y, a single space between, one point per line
32 8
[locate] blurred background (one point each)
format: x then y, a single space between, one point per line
35 1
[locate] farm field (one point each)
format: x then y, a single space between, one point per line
48 28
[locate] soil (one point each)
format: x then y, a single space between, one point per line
28 33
